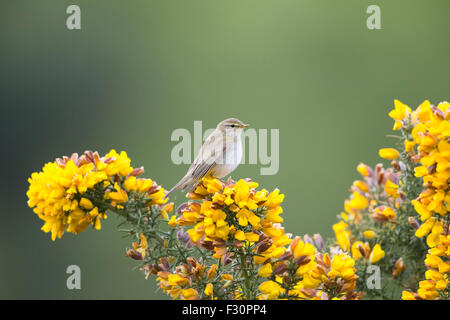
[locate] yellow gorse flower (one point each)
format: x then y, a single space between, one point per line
391 189
369 234
342 235
400 112
377 254
389 153
270 290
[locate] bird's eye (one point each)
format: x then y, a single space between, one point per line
232 125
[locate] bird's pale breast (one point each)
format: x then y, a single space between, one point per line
232 158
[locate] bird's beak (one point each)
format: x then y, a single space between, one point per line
245 125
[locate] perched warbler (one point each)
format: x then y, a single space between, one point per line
219 155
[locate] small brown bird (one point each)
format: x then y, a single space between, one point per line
219 155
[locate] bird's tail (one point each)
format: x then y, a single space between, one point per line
182 184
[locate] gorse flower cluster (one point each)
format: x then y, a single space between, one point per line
379 225
427 142
227 241
241 227
73 193
374 230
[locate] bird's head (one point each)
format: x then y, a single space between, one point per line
231 124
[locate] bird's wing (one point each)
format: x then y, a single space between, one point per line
210 153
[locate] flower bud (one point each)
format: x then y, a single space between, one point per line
364 170
153 270
238 244
89 155
395 165
168 207
211 273
309 292
216 205
226 258
352 295
369 234
413 223
362 250
191 261
379 173
349 286
285 256
263 246
307 239
180 235
109 160
339 285
208 245
318 240
327 260
302 260
187 238
134 254
322 269
399 266
389 153
393 176
280 269
154 188
383 214
137 171
432 169
185 206
294 243
164 264
286 278
438 112
60 162
74 157
219 243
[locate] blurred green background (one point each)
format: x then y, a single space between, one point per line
140 69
